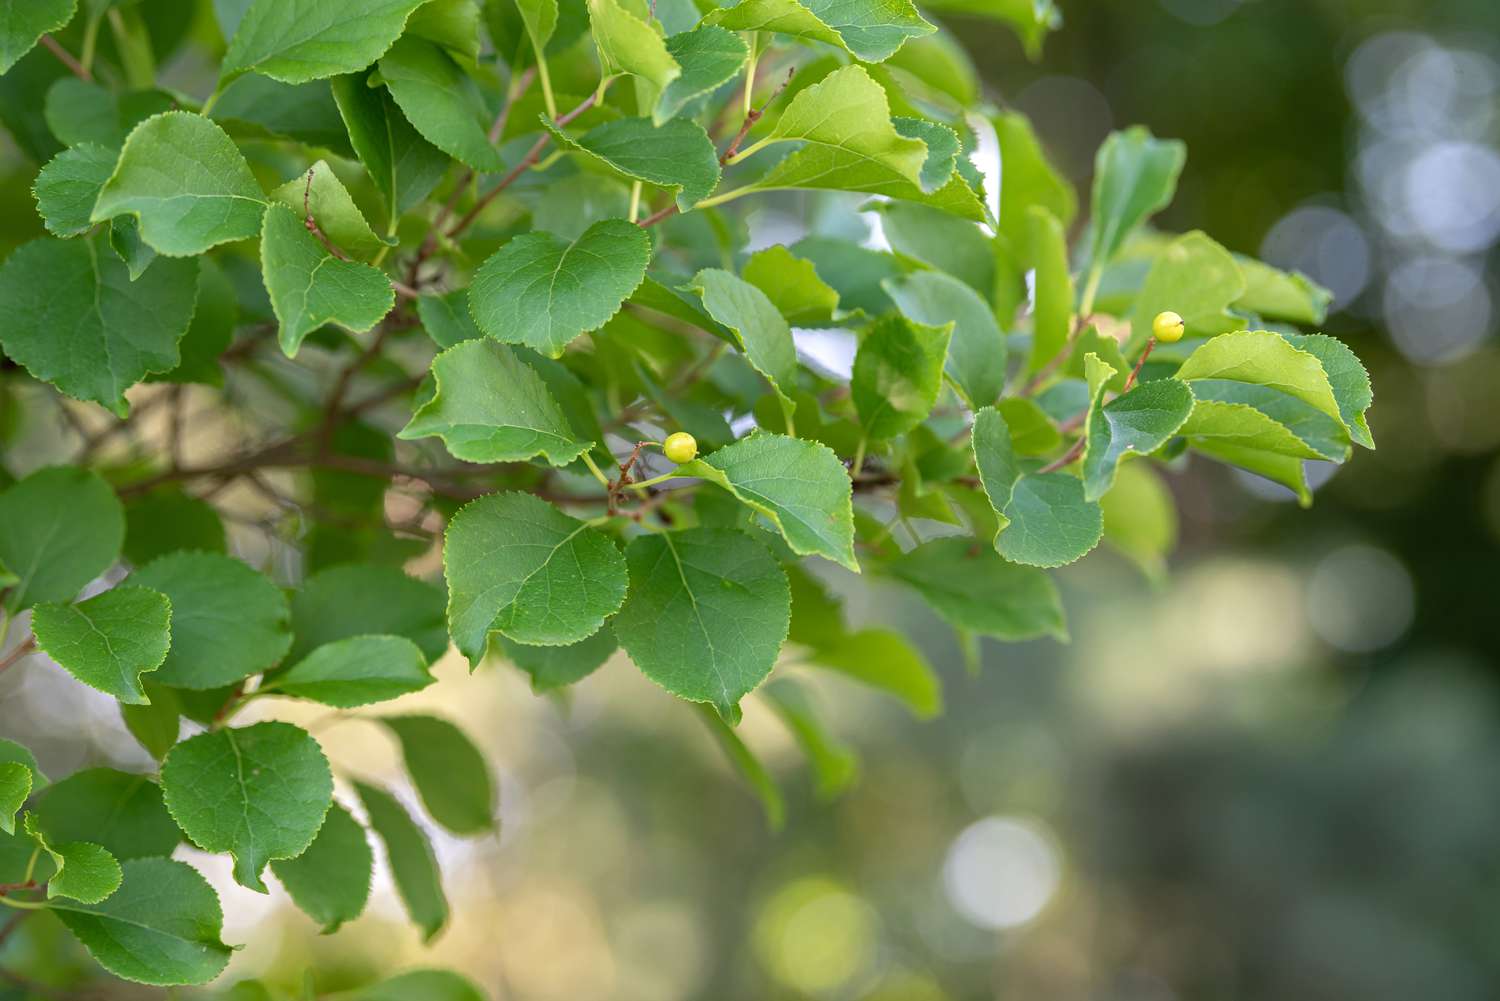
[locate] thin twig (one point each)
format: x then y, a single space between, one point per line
22 649
66 58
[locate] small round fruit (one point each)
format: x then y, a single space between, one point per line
1168 327
681 447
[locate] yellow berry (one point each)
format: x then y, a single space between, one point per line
1168 327
681 447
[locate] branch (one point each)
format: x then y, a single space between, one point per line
23 648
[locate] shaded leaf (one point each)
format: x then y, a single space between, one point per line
60 528
448 771
554 667
976 349
121 811
974 589
898 372
330 882
357 599
409 852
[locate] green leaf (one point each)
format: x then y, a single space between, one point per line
1140 519
359 599
709 57
446 318
330 882
1264 358
750 767
630 44
1052 317
757 325
489 406
540 18
355 672
945 242
258 792
793 286
441 101
1033 20
257 107
15 787
1242 435
448 771
1044 518
429 985
125 240
976 350
166 520
24 22
977 591
108 641
898 372
413 864
554 667
1346 376
157 724
1027 179
870 29
541 291
706 616
402 165
1140 421
79 112
676 155
68 185
834 765
518 566
295 41
187 183
1196 278
76 320
208 335
453 24
121 811
59 529
332 208
1031 430
310 287
1135 176
799 486
132 935
82 870
228 621
1280 295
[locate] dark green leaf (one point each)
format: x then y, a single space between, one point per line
448 771
330 882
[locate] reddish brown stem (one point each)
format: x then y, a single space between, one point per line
66 58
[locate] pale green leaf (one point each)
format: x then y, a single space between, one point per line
1280 295
975 590
448 772
628 43
258 792
489 406
162 926
228 620
109 640
355 671
793 286
82 871
799 486
121 811
441 101
1135 176
357 599
15 786
1027 179
59 529
554 667
676 155
1264 358
68 185
1044 518
945 242
1031 430
413 864
834 765
1348 379
540 18
319 191
75 319
706 616
976 350
1244 436
1140 421
709 57
518 566
125 240
446 318
750 767
541 291
1196 278
870 29
309 286
1052 315
24 22
758 326
330 882
188 184
295 41
898 372
453 24
1140 518
429 985
1033 20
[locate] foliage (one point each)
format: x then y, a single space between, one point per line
513 236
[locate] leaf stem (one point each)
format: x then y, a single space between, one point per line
25 647
588 460
1090 289
635 201
546 79
66 58
25 905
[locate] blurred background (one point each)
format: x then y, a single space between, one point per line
1273 774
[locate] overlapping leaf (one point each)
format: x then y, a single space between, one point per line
309 286
677 154
108 641
1141 421
870 29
